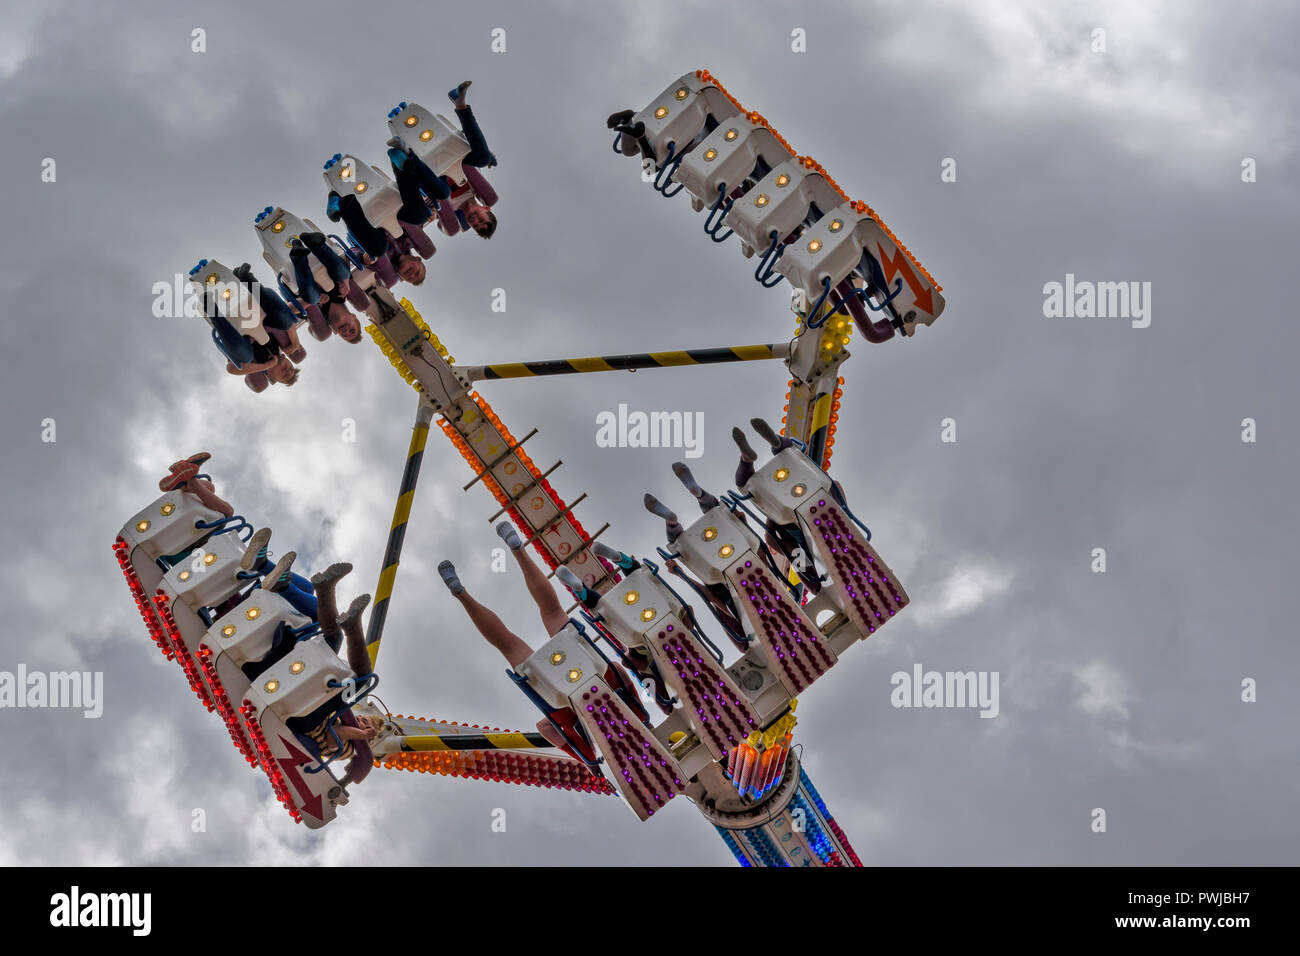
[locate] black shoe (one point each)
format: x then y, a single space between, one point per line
619 118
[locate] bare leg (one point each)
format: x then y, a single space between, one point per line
358 656
553 736
202 489
510 644
548 604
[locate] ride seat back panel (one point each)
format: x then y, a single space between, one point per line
795 649
862 585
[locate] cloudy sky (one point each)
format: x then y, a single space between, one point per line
1120 691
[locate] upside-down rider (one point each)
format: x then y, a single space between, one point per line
512 647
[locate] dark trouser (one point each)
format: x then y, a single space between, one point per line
479 154
414 176
308 289
276 314
372 239
237 348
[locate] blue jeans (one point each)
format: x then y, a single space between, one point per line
232 342
299 592
308 289
479 154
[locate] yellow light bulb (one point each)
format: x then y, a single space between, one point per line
228 631
296 667
661 112
142 525
730 135
412 120
279 226
782 180
272 686
631 597
815 245
761 200
726 551
710 155
253 613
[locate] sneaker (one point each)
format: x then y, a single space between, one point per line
398 156
507 533
571 581
331 575
354 610
255 550
448 572
332 208
278 576
619 119
178 478
458 94
613 555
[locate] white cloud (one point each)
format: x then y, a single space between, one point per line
1103 690
973 583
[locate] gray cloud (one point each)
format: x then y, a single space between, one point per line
1118 690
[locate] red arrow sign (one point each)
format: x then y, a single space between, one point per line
922 294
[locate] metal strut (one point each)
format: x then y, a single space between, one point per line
397 532
627 363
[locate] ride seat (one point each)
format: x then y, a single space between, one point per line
167 525
724 159
781 202
211 280
378 195
680 113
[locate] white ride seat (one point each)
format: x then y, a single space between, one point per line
378 195
641 611
432 137
296 686
679 114
725 158
212 281
781 202
276 230
568 672
167 526
828 249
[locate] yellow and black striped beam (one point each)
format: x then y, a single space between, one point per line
397 532
503 740
625 363
818 421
